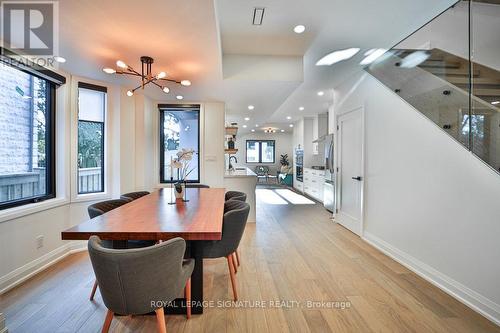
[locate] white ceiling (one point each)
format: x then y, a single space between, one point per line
188 39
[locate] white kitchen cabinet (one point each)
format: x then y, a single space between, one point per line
313 183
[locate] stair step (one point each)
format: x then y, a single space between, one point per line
478 80
439 64
486 92
457 72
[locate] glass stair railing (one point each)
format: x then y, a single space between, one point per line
449 70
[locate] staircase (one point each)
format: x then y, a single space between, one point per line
460 96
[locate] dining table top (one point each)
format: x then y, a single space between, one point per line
154 217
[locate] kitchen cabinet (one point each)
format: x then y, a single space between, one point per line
313 183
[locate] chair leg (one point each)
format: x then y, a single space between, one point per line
160 321
107 321
235 265
94 288
187 295
238 257
231 274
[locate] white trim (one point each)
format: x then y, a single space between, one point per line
462 293
108 142
23 273
32 208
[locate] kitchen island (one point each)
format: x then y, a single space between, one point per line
244 180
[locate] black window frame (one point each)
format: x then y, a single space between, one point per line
259 142
50 133
89 86
165 107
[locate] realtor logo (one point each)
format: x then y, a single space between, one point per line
29 27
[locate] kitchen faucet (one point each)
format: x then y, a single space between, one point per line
235 161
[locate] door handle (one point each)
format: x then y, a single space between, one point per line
358 178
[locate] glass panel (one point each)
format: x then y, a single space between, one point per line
430 70
91 115
24 137
485 51
253 152
181 131
267 151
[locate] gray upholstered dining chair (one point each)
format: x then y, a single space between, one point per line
236 195
139 281
233 226
102 207
241 196
134 195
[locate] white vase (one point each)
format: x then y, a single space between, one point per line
179 191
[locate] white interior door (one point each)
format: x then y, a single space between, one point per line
350 180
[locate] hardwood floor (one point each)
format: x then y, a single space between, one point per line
295 255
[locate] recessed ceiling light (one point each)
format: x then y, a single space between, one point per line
247 119
59 59
301 108
186 83
495 102
372 56
253 130
166 90
282 131
251 107
288 117
179 97
109 70
337 56
121 64
320 93
244 126
299 29
130 93
291 125
256 125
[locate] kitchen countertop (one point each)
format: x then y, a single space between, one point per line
239 172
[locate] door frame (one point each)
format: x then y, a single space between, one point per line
339 169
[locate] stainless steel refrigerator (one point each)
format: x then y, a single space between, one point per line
329 185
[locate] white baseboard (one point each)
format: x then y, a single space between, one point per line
469 297
32 268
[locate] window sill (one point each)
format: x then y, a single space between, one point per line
24 210
91 197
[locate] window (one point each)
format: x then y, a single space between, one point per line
260 151
91 118
27 137
179 129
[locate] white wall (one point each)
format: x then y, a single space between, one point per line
283 142
429 202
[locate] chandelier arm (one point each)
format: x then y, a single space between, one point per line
128 73
170 80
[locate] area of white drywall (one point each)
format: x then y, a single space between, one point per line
429 203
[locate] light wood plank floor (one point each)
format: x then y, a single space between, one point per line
294 253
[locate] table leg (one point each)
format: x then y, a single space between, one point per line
179 305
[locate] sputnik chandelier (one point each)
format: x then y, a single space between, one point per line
146 76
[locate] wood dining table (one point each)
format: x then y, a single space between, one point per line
158 216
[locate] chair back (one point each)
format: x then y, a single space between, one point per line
102 207
134 195
236 195
130 280
262 170
234 222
